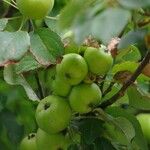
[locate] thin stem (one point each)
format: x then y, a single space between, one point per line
40 89
14 2
52 18
102 83
10 4
129 82
108 89
22 23
13 18
33 24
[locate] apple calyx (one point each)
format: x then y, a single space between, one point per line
30 136
46 106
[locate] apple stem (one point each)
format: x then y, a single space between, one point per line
14 2
46 106
10 4
40 89
129 82
102 83
108 89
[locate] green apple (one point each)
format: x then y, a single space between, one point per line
84 97
47 141
60 87
73 69
50 77
53 114
90 78
29 142
144 120
99 61
35 9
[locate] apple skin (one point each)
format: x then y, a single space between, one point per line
73 69
50 141
29 142
84 96
60 87
53 114
35 9
144 120
50 77
99 62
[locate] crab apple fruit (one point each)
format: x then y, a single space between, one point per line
144 120
84 97
29 142
60 87
47 141
99 62
73 69
35 9
53 114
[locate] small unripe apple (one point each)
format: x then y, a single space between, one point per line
47 141
29 142
35 9
84 97
73 69
144 120
53 114
60 87
99 61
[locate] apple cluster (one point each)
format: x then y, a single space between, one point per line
72 92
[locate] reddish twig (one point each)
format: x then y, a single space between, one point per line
129 82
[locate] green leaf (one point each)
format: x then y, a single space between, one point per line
74 8
13 79
46 46
131 53
125 126
134 38
52 24
3 99
110 23
3 23
83 27
73 147
129 66
90 129
13 46
134 4
120 130
26 64
139 138
14 130
138 99
103 144
125 66
2 146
